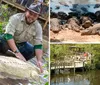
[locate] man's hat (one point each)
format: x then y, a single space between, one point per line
36 8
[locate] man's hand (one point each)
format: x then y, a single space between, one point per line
39 64
20 56
13 47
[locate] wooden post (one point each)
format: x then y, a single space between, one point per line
55 66
45 24
83 66
0 2
64 67
58 66
74 66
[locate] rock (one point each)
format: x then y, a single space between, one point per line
57 7
62 15
97 16
92 16
73 24
73 14
53 15
96 6
84 9
55 27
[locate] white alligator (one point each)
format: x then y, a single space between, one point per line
19 68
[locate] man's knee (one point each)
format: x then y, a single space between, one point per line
29 47
27 50
3 45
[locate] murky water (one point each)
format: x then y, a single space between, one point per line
80 8
83 78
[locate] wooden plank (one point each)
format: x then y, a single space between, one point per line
77 64
45 24
0 1
18 6
14 5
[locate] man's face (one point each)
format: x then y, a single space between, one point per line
30 16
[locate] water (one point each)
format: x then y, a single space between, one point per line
80 8
83 78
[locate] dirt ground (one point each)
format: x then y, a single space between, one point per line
67 35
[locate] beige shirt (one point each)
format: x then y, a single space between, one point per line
23 32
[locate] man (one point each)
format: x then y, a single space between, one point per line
24 35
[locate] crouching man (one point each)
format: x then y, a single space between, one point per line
23 35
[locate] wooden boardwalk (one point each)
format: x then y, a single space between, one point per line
76 64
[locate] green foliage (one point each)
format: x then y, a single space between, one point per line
89 66
1 27
47 83
96 55
5 13
45 76
58 51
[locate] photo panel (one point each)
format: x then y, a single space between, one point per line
74 64
26 24
74 21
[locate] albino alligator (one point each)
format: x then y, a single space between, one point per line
55 27
95 29
86 21
19 68
73 24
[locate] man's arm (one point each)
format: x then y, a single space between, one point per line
9 33
38 46
39 53
12 45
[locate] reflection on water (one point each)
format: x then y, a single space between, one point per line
86 78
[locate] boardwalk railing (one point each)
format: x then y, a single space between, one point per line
64 64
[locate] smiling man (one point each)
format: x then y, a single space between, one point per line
23 35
